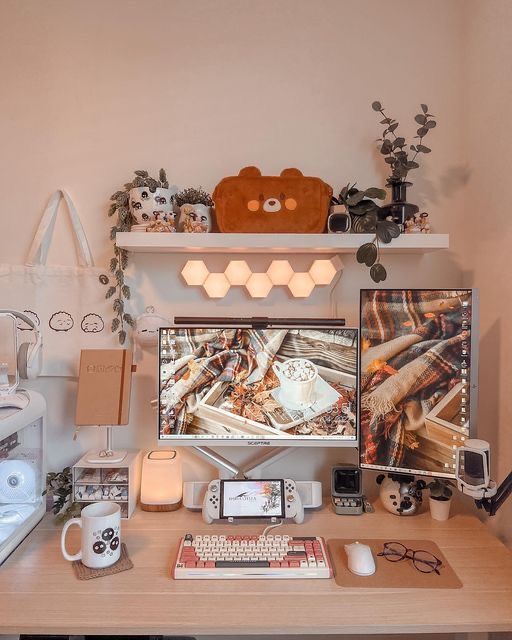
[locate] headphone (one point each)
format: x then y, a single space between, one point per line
30 354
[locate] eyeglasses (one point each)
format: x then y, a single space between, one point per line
423 561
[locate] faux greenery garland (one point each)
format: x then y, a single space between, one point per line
125 220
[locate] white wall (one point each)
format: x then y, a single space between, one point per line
487 100
93 90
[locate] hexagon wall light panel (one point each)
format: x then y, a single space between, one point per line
301 285
195 272
259 285
237 272
216 285
280 272
323 271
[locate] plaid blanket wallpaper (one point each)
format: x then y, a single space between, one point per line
211 356
410 357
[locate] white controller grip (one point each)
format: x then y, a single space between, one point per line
211 502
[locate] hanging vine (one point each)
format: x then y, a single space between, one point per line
120 292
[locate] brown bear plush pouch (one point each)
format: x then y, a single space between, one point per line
289 203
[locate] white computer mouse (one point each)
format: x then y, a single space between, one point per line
360 559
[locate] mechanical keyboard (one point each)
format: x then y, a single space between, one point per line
206 557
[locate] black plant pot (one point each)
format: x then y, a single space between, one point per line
399 210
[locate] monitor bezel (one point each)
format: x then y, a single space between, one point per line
473 378
259 441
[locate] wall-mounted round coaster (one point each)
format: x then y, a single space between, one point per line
86 573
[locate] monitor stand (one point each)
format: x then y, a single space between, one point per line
230 469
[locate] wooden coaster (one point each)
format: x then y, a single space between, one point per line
392 575
86 573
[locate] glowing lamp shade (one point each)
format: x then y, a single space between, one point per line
259 285
216 285
301 285
195 272
322 272
237 272
280 272
162 483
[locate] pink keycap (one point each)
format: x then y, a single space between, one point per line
275 564
294 563
209 564
200 564
190 565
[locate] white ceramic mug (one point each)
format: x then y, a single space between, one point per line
101 535
298 393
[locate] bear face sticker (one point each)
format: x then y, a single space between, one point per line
92 323
272 204
61 321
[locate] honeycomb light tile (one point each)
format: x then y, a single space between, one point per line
195 272
237 272
216 285
280 272
301 285
323 271
259 285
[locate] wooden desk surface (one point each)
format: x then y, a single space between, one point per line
40 594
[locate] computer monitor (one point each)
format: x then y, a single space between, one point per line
278 386
418 375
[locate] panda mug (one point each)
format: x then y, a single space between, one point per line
100 523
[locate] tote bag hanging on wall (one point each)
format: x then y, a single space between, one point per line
67 302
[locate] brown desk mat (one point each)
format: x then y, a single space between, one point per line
392 575
86 573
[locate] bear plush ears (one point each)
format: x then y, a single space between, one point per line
254 172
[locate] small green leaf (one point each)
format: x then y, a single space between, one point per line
386 147
411 165
393 126
376 106
398 142
378 272
374 192
116 195
430 124
115 324
110 292
420 118
367 254
126 291
112 209
423 149
122 337
387 230
424 108
422 131
142 173
355 199
113 264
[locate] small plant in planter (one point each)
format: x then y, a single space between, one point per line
364 214
125 206
440 498
59 486
195 210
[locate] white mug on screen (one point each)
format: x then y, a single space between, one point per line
101 535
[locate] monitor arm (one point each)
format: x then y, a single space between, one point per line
492 504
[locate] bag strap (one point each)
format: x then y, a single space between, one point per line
38 252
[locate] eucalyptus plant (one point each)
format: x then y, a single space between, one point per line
399 155
120 207
364 213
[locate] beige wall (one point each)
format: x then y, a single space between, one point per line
92 90
488 96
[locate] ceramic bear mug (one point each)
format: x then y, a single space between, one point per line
101 535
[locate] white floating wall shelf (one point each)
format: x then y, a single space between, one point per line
246 243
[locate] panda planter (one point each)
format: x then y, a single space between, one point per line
147 206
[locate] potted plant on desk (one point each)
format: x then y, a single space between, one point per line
440 498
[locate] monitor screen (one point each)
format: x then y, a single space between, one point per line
418 378
278 386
